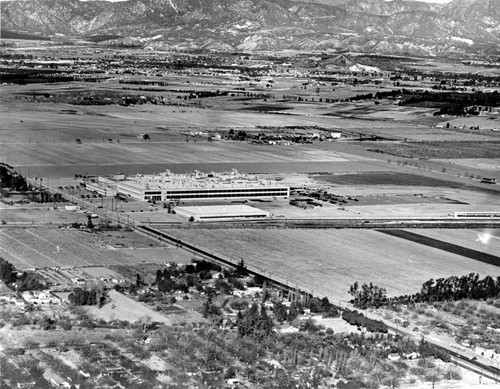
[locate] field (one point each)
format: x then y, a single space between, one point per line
329 261
487 241
39 134
385 178
53 247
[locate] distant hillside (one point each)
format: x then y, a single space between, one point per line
391 27
6 34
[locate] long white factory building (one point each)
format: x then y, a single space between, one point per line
167 186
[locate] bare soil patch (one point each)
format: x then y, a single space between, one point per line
121 307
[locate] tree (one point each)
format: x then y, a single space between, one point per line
209 308
90 225
434 376
83 297
293 312
7 273
265 324
280 312
241 269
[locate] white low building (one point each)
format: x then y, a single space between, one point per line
200 186
222 212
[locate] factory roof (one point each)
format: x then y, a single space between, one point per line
197 180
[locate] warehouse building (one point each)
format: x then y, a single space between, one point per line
200 186
222 212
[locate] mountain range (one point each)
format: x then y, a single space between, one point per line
460 27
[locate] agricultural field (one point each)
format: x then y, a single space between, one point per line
385 178
54 247
486 240
35 213
39 133
327 262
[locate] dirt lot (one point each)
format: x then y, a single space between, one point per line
121 307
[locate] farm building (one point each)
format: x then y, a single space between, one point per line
200 186
221 212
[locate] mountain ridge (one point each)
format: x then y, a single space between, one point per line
391 27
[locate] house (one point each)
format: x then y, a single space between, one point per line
289 330
411 356
40 297
268 305
217 276
394 357
78 281
253 290
275 364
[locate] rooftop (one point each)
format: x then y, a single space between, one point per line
197 180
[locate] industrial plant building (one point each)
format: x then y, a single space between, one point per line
222 212
167 187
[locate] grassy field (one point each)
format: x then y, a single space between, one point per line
329 261
52 247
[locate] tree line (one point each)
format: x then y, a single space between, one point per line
453 288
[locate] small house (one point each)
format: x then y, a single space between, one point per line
394 357
289 330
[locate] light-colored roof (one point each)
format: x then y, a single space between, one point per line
221 211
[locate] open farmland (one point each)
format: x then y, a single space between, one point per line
385 178
51 247
329 261
487 241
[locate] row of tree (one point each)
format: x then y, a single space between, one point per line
367 296
93 296
12 180
358 319
453 288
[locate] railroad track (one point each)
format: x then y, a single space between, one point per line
337 223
